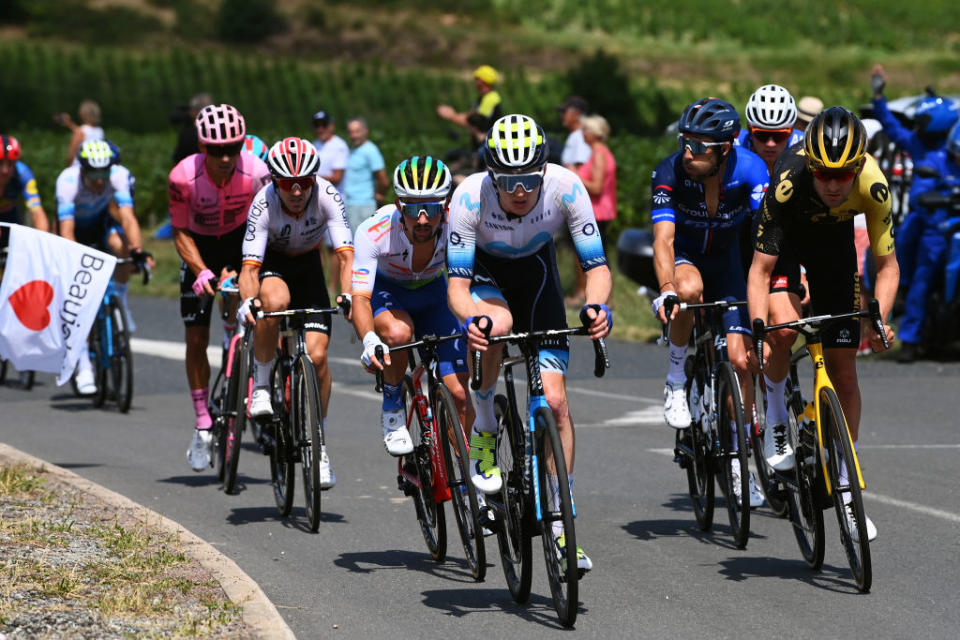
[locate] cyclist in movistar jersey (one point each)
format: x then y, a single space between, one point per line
503 271
816 191
702 195
17 180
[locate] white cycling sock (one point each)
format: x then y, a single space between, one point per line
261 373
678 355
485 421
776 406
553 484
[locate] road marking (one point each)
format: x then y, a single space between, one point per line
908 446
647 415
919 508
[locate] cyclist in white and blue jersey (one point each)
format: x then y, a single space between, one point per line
503 271
702 195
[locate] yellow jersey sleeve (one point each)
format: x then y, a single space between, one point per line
874 196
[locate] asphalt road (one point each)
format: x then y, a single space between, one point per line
367 572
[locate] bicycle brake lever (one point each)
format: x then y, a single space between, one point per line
601 362
877 320
378 353
758 340
668 304
476 379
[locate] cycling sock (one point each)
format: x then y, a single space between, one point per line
485 421
392 400
776 406
261 373
201 399
553 485
678 356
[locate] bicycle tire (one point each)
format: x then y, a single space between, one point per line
513 535
765 473
430 513
121 364
562 572
463 495
239 389
3 372
307 434
283 471
804 509
730 413
699 470
99 373
836 438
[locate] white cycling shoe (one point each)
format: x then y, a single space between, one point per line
396 437
777 449
86 384
675 409
852 523
198 455
328 479
260 405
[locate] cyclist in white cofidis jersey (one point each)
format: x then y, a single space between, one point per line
400 294
502 266
210 194
288 221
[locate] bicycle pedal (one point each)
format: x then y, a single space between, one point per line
487 520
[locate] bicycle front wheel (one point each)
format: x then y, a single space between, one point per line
732 454
282 459
121 364
765 473
463 495
513 534
97 349
419 463
847 498
307 432
556 518
698 439
239 390
805 511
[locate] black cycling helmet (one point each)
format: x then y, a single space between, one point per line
835 139
712 118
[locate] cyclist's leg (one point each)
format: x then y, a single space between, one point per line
196 319
274 296
689 286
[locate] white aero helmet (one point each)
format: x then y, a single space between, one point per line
771 107
515 142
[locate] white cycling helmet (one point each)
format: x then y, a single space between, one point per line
422 177
220 124
771 107
515 142
292 158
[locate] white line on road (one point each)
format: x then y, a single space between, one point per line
919 508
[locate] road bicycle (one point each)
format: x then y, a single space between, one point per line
438 469
715 445
822 446
109 346
295 433
533 469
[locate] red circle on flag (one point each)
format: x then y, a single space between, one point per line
30 303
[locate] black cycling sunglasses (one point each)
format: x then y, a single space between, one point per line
220 150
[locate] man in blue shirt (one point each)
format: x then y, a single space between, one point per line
364 183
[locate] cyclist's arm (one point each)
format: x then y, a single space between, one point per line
66 193
362 314
67 228
461 250
40 222
249 280
188 251
131 228
31 196
664 234
887 281
345 259
459 299
758 284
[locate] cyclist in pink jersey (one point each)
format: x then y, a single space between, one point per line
210 194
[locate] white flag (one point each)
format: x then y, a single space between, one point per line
49 298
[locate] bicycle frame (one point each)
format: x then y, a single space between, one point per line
104 326
423 405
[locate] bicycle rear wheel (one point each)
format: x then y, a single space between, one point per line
121 364
463 495
805 511
847 496
513 534
282 459
699 469
765 473
430 514
562 572
239 389
730 417
307 433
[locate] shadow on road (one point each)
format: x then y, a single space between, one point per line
371 561
463 602
78 465
830 578
296 520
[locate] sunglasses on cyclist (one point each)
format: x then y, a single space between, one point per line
764 136
696 146
413 210
96 174
304 182
220 150
840 175
509 181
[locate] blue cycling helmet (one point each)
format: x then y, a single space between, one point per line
934 117
712 118
97 154
256 146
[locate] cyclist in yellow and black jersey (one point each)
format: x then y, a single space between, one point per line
816 189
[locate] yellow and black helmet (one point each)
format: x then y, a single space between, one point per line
835 139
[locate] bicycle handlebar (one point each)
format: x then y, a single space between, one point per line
600 364
141 265
429 340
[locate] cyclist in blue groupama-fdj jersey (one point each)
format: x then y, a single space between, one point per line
503 270
702 194
95 208
399 290
17 180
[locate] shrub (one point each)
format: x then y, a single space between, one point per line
248 21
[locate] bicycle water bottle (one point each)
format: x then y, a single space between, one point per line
808 429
